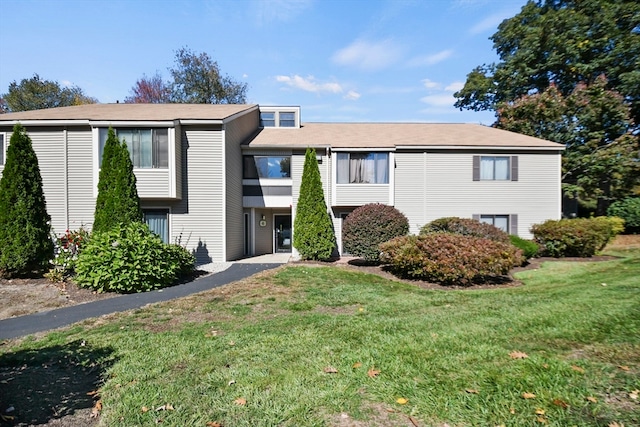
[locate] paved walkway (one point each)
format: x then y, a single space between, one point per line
39 322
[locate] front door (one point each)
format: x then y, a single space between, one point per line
282 233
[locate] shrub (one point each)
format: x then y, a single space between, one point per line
529 248
629 210
368 226
465 227
450 259
130 258
66 251
25 232
579 237
314 237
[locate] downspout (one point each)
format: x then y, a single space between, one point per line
65 132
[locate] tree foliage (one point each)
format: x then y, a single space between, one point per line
601 159
36 93
118 202
149 90
564 42
25 232
313 230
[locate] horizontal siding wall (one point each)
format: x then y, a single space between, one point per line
198 219
80 176
449 189
153 183
361 194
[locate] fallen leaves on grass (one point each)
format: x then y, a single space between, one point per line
577 369
357 365
330 370
372 373
213 424
592 399
166 407
561 403
402 401
472 391
624 368
241 401
518 355
634 394
526 395
95 412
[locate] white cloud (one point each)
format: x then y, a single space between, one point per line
454 87
439 100
430 84
309 84
369 55
352 95
66 83
491 22
431 59
278 10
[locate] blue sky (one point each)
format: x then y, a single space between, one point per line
340 61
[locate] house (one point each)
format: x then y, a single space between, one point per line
224 180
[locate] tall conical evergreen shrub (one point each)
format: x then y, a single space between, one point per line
313 237
25 232
118 201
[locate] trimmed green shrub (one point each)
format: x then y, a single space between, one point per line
450 259
367 226
130 258
579 237
313 230
25 233
629 210
118 201
465 227
529 248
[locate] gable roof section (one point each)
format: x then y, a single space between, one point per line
396 136
131 112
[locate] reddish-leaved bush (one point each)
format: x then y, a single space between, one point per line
465 227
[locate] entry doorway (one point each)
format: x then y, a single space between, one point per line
282 233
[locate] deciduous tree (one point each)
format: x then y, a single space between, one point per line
150 90
36 93
25 231
313 230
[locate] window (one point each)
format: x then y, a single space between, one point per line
495 168
148 148
1 149
267 167
363 168
268 120
506 223
158 222
287 120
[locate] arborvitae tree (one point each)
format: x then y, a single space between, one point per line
25 231
118 201
314 237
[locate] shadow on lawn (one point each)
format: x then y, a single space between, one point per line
51 383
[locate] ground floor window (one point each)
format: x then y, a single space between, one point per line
158 222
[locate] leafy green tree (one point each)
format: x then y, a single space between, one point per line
118 202
197 80
36 93
600 163
564 42
314 237
25 231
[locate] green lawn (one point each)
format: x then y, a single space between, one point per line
318 346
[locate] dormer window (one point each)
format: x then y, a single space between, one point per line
268 119
280 117
287 119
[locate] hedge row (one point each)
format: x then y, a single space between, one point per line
579 237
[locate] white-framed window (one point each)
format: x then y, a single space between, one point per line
267 119
363 168
495 168
279 117
158 222
255 167
287 119
148 147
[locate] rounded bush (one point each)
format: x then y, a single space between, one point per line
629 210
368 226
529 248
579 237
130 258
450 259
465 227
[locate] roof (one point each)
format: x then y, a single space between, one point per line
131 112
396 135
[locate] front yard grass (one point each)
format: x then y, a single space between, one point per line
315 346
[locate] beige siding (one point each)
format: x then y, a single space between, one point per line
80 178
264 235
197 220
361 194
236 133
178 161
449 189
49 147
153 183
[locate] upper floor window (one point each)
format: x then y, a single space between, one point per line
363 168
287 119
256 167
495 168
148 148
267 119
